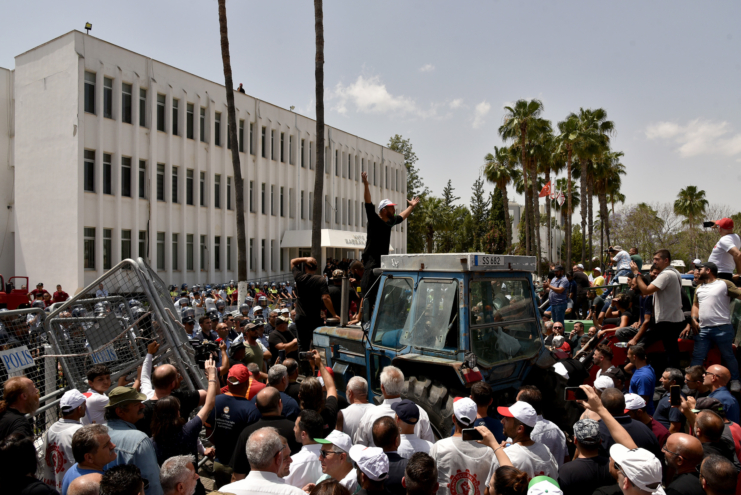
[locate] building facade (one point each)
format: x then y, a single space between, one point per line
113 155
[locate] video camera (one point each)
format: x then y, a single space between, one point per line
205 350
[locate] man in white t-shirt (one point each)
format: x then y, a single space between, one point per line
667 291
407 416
534 458
726 253
545 432
99 380
57 443
357 395
465 465
711 320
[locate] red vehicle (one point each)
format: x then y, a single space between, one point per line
10 296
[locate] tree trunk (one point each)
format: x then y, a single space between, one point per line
548 214
605 213
318 218
584 194
238 182
536 212
523 161
508 226
526 214
590 215
568 210
601 243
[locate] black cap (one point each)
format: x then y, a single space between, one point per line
189 320
407 411
710 266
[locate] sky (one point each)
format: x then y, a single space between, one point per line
668 73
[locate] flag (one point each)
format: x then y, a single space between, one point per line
546 191
561 198
554 194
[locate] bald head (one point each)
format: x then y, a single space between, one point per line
709 426
88 484
163 377
268 401
721 372
685 452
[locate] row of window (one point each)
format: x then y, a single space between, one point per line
277 153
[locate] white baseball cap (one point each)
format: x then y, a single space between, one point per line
640 466
596 269
285 311
543 485
372 461
561 370
464 409
338 439
580 266
384 203
521 411
697 261
633 402
604 382
71 400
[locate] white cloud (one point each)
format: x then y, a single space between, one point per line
698 137
369 95
427 68
456 103
479 113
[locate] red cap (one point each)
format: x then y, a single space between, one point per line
725 223
329 370
238 374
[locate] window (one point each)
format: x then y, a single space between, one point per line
357 213
203 125
396 181
282 147
143 244
252 196
349 211
311 205
291 205
303 153
229 193
290 149
107 186
126 103
337 163
203 252
228 253
357 169
229 136
263 198
189 121
89 248
273 256
241 136
263 142
396 318
349 166
280 255
362 164
174 197
217 128
189 252
252 254
311 156
272 200
126 176
189 186
142 107
160 182
327 213
375 182
142 178
262 253
161 113
203 189
108 97
217 253
336 210
175 105
252 148
272 144
89 165
174 254
160 250
387 176
125 244
89 93
302 205
217 191
107 249
281 202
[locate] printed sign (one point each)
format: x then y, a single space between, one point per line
17 359
105 355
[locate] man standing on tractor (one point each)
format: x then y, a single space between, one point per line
726 253
313 296
379 235
558 294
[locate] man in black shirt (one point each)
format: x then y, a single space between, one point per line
21 397
590 470
683 454
614 401
281 339
581 305
312 292
379 235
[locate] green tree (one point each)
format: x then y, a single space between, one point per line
415 188
499 169
691 204
433 218
479 214
446 240
498 237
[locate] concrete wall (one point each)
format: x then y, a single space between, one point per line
7 228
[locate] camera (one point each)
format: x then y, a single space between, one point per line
305 356
204 351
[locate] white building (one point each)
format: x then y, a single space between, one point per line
107 154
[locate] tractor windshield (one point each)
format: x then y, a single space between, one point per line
503 323
435 316
393 311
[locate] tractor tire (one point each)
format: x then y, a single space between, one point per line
435 399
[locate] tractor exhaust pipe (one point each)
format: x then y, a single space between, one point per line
344 309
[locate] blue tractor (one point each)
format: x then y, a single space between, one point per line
447 321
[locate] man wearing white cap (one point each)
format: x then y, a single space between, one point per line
534 458
372 468
635 406
379 234
466 466
601 384
57 448
336 462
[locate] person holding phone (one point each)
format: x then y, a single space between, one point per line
636 407
668 413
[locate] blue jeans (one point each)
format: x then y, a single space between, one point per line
558 312
722 336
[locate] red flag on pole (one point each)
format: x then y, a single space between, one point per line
546 191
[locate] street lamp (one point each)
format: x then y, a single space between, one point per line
88 27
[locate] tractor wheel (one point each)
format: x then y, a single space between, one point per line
435 399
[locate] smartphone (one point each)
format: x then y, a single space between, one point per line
471 434
574 393
708 224
674 398
305 356
282 355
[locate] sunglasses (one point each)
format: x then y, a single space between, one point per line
664 449
324 453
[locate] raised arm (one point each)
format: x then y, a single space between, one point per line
594 404
366 192
146 378
297 261
213 390
646 290
412 205
328 380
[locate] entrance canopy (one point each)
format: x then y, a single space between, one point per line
330 239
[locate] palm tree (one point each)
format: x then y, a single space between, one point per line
607 181
539 141
238 182
433 220
562 185
554 163
499 170
691 204
517 120
316 223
